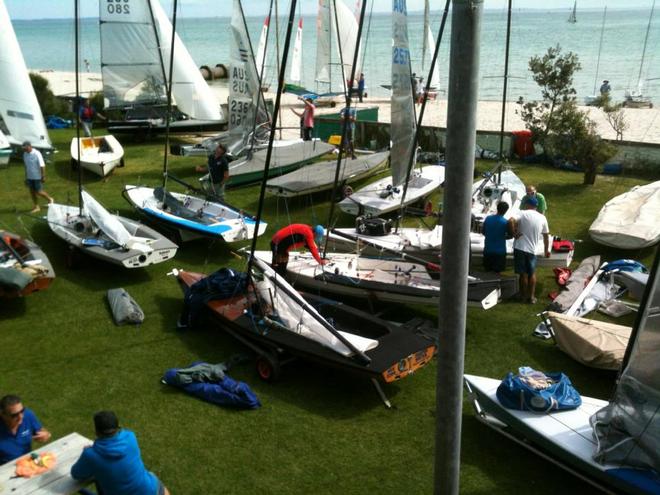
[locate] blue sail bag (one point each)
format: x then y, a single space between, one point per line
535 391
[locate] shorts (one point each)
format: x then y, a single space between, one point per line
524 263
34 184
494 262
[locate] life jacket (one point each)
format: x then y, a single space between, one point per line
87 113
562 245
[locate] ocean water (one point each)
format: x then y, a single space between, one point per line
49 44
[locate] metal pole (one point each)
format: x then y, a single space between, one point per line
506 81
76 8
169 82
461 137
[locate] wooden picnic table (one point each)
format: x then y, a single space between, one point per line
58 480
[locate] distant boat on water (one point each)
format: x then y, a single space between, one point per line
572 18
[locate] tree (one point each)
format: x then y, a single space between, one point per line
614 114
557 124
49 103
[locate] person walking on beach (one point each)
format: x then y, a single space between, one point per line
361 87
218 169
349 115
495 231
306 118
35 175
605 88
19 426
114 461
526 228
531 192
87 113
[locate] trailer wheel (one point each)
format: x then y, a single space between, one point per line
268 367
121 162
74 164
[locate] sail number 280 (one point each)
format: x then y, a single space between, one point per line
118 6
400 56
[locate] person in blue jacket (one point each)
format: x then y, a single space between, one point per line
114 461
495 231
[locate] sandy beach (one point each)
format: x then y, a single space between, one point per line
644 124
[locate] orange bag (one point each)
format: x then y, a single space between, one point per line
35 464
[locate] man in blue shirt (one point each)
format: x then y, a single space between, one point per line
218 169
35 174
114 461
18 427
495 232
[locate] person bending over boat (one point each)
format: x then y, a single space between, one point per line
531 192
18 428
114 461
292 237
218 169
526 227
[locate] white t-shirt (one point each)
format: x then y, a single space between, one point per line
531 225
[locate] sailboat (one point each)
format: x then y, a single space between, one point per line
636 98
573 18
133 49
24 267
19 109
263 312
611 444
387 195
428 48
5 149
189 217
590 100
98 154
90 228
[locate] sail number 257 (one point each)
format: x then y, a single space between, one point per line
400 56
118 6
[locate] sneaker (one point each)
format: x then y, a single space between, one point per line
532 300
35 209
51 201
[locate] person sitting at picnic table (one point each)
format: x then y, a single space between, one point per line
18 428
114 461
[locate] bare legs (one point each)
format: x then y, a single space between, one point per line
528 287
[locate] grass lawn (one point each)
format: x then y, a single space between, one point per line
318 431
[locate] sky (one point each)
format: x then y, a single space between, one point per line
50 9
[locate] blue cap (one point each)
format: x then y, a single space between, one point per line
319 231
532 201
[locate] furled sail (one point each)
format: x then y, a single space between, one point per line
296 61
135 55
244 92
429 47
19 107
403 109
261 51
323 43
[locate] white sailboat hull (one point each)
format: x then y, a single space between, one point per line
510 189
380 197
99 155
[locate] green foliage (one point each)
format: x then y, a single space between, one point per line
49 103
557 124
614 114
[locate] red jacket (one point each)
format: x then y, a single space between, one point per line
295 236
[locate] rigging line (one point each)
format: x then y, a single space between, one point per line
271 137
421 111
77 65
366 39
344 135
169 96
504 89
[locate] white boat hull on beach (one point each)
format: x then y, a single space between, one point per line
381 197
99 155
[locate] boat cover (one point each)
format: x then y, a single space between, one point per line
217 389
630 221
597 344
124 308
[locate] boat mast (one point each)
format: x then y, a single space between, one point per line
271 136
277 51
600 47
426 28
461 137
76 17
646 39
506 81
344 130
169 94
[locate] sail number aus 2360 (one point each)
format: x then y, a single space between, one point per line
118 7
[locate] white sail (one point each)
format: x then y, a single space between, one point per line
323 40
261 50
403 125
111 225
19 107
428 54
244 92
347 37
135 55
296 61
